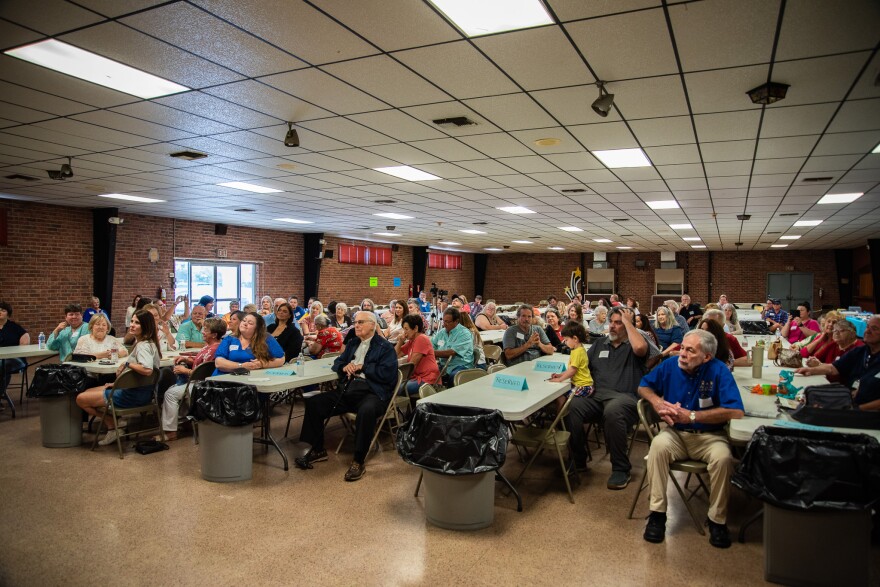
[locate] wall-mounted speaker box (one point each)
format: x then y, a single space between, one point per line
395 248
220 229
640 262
328 254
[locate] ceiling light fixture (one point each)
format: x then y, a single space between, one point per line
406 172
249 187
691 238
624 248
602 105
778 246
876 149
88 66
516 210
789 237
523 242
556 248
449 243
662 204
807 223
680 226
618 158
839 198
293 221
492 249
698 246
570 228
387 234
493 16
743 217
602 240
63 173
768 93
128 198
393 216
471 231
291 139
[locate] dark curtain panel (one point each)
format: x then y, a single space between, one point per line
312 249
420 269
104 256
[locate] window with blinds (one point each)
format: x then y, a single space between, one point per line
364 255
444 261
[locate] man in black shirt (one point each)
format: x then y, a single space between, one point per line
11 334
690 312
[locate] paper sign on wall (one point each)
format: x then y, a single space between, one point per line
549 366
512 382
396 282
374 282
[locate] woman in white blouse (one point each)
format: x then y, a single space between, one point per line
99 342
395 325
131 310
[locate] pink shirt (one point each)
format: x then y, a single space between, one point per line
795 334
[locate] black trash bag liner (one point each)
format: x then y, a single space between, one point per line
755 327
55 380
809 470
454 440
224 402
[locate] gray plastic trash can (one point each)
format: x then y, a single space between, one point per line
60 421
460 502
226 452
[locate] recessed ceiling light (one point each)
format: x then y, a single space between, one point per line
394 216
602 240
386 234
523 242
807 223
493 16
789 237
249 187
93 68
293 221
691 238
449 243
406 172
493 249
130 198
778 246
624 248
516 210
617 158
548 142
556 248
662 204
839 198
876 149
698 246
570 228
680 226
471 231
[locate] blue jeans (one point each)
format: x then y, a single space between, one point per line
412 387
10 366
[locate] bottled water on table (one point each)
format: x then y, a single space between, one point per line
41 341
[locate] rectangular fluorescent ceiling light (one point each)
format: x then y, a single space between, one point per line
790 237
807 223
624 248
691 238
523 242
662 204
617 158
493 249
386 234
406 172
602 240
570 228
839 198
249 187
778 246
130 198
876 149
680 226
393 216
516 210
698 246
84 65
556 248
471 231
493 16
449 243
293 221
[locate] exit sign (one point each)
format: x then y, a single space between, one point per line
221 253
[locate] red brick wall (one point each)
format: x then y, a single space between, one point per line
460 281
348 283
278 255
47 263
524 277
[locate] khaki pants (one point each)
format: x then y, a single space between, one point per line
711 447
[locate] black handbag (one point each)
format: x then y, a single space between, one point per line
146 447
56 380
83 358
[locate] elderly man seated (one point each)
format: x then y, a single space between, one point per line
525 341
190 334
65 336
453 345
367 379
696 395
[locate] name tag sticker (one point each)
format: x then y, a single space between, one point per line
520 336
441 343
233 347
511 382
549 366
603 354
706 402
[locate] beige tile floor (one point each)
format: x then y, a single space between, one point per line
65 514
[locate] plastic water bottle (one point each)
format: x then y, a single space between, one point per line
300 366
114 353
41 341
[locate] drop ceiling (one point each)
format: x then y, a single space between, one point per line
363 81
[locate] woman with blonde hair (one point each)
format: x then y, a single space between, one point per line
669 333
479 353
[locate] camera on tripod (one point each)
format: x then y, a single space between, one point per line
438 292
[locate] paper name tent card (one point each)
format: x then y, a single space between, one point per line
549 366
286 372
511 382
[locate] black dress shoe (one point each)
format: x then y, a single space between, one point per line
355 471
655 531
313 456
719 537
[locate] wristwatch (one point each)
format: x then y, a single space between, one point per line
693 416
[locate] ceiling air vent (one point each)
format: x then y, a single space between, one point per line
386 201
817 179
17 176
189 155
743 216
454 121
790 214
481 223
620 220
574 191
245 210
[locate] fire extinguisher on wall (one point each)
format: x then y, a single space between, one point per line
410 290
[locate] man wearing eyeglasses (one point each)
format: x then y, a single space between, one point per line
367 376
453 344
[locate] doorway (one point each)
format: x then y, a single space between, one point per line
791 289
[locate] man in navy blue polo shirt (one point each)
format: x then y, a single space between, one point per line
773 313
696 396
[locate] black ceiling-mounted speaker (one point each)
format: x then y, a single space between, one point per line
395 248
328 254
640 262
220 229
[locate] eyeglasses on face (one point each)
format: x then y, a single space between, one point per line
361 321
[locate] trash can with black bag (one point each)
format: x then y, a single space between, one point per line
225 412
460 451
818 490
56 386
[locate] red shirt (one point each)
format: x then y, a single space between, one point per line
829 352
330 340
426 371
735 347
205 354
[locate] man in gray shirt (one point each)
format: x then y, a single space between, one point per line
525 341
617 363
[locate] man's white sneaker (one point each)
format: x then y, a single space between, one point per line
109 438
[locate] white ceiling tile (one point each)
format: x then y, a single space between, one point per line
847 143
398 125
578 9
217 109
448 149
650 97
387 80
725 89
796 120
728 125
663 131
857 115
402 153
497 145
686 170
53 16
808 86
611 135
120 122
728 151
574 161
673 155
267 100
834 163
317 87
347 131
567 144
782 165
809 30
511 112
785 147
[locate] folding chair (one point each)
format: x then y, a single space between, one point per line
402 400
200 373
493 353
467 375
538 438
348 419
651 423
128 380
495 368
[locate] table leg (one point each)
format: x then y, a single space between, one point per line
754 518
266 437
6 387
